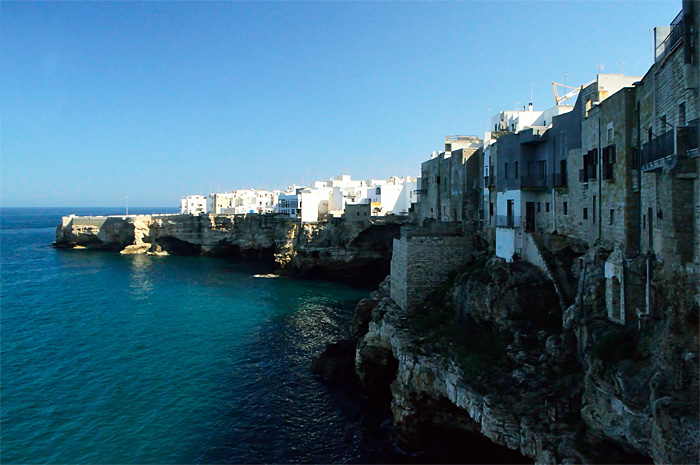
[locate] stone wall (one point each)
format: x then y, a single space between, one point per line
422 260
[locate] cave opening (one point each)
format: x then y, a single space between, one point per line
175 246
444 444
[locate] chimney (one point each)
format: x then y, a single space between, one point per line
530 106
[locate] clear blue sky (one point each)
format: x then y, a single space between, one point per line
156 100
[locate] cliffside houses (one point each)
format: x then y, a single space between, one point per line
619 168
322 200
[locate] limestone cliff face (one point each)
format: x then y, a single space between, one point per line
333 249
493 353
641 381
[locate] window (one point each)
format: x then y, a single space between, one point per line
542 169
358 213
379 191
610 136
505 171
585 213
662 129
490 209
546 207
539 207
612 215
566 208
681 114
516 169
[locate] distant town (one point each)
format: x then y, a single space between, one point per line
325 199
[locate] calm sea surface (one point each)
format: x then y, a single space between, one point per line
138 359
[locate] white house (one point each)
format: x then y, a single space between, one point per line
392 197
193 205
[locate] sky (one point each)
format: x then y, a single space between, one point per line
154 101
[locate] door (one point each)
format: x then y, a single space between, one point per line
529 216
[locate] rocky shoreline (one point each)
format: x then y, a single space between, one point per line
525 356
339 249
494 353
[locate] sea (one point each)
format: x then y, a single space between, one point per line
148 360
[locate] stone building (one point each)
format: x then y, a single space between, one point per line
668 101
450 181
608 178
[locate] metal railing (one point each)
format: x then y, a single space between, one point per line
533 182
674 36
506 221
688 135
658 148
456 137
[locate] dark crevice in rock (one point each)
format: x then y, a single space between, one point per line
175 246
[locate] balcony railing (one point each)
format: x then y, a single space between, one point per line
533 182
672 39
658 148
688 137
489 181
559 180
506 221
608 171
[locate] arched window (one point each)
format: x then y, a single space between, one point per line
379 191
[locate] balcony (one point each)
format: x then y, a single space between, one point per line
687 141
507 221
673 38
608 171
489 181
559 180
533 182
654 151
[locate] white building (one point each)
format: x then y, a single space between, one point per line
516 120
288 203
242 201
392 197
193 205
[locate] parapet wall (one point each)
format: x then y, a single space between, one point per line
421 263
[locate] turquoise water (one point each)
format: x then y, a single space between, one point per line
139 359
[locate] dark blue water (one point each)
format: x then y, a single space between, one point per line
138 359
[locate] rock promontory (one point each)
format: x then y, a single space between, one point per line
335 248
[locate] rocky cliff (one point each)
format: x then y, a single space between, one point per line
337 248
494 353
